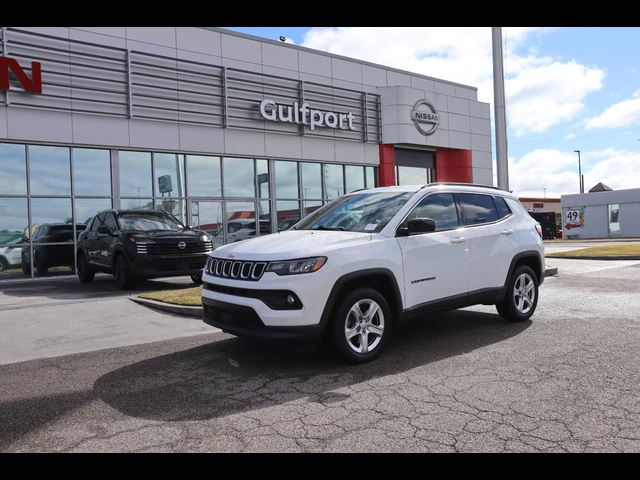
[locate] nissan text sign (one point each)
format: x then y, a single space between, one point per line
31 85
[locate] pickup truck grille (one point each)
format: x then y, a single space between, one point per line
174 248
236 270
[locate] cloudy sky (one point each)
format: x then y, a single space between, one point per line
568 88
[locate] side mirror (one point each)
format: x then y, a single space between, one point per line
25 239
419 226
104 230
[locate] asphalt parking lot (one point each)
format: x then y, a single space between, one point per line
458 382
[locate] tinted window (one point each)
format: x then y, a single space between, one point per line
95 224
478 209
441 208
503 208
110 222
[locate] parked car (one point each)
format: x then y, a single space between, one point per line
47 256
349 273
141 244
11 257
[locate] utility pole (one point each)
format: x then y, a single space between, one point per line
580 169
500 101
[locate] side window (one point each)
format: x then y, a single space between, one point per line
441 208
503 209
95 225
110 222
478 209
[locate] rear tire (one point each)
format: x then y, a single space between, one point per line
124 279
522 296
197 279
4 265
85 274
362 326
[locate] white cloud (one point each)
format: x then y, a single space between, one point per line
620 115
543 91
557 171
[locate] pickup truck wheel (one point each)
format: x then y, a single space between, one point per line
85 274
124 279
522 296
362 326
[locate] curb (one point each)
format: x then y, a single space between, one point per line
551 272
606 259
190 312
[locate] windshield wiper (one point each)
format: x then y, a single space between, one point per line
328 229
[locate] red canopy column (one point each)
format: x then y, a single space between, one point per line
454 166
387 166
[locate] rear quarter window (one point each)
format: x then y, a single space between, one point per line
478 209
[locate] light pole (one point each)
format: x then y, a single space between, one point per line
580 166
502 145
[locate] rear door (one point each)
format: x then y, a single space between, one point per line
436 265
490 230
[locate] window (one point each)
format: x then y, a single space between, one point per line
135 175
110 222
204 176
614 220
13 169
478 209
441 208
503 208
50 170
239 178
92 172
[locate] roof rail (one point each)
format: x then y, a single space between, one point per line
472 185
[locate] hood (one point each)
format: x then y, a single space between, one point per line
291 245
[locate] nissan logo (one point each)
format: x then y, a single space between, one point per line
425 117
182 245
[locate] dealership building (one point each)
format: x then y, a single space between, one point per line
233 134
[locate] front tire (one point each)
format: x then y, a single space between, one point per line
362 326
197 279
522 296
85 274
124 279
4 265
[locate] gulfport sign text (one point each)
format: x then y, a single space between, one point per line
305 115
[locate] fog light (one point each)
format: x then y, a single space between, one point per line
291 299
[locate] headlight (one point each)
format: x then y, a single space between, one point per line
297 267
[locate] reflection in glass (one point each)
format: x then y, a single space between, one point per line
614 220
53 260
264 210
209 217
50 169
239 180
14 219
137 204
51 211
174 206
288 215
92 172
241 221
412 176
310 207
13 168
135 174
287 180
262 178
11 260
355 178
334 181
169 172
312 181
204 176
371 177
87 208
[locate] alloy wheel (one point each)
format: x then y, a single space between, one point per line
364 327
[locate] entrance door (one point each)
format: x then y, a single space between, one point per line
209 216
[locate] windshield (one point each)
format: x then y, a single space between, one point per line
364 213
141 222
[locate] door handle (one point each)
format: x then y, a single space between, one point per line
457 241
508 232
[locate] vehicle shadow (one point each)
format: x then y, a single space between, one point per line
104 287
234 376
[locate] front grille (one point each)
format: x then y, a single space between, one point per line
174 248
236 270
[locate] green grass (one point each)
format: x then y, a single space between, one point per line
191 297
608 251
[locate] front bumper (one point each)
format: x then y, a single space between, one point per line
149 266
245 322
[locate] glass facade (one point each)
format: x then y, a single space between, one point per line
48 195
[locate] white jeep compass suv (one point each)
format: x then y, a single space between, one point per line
355 268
